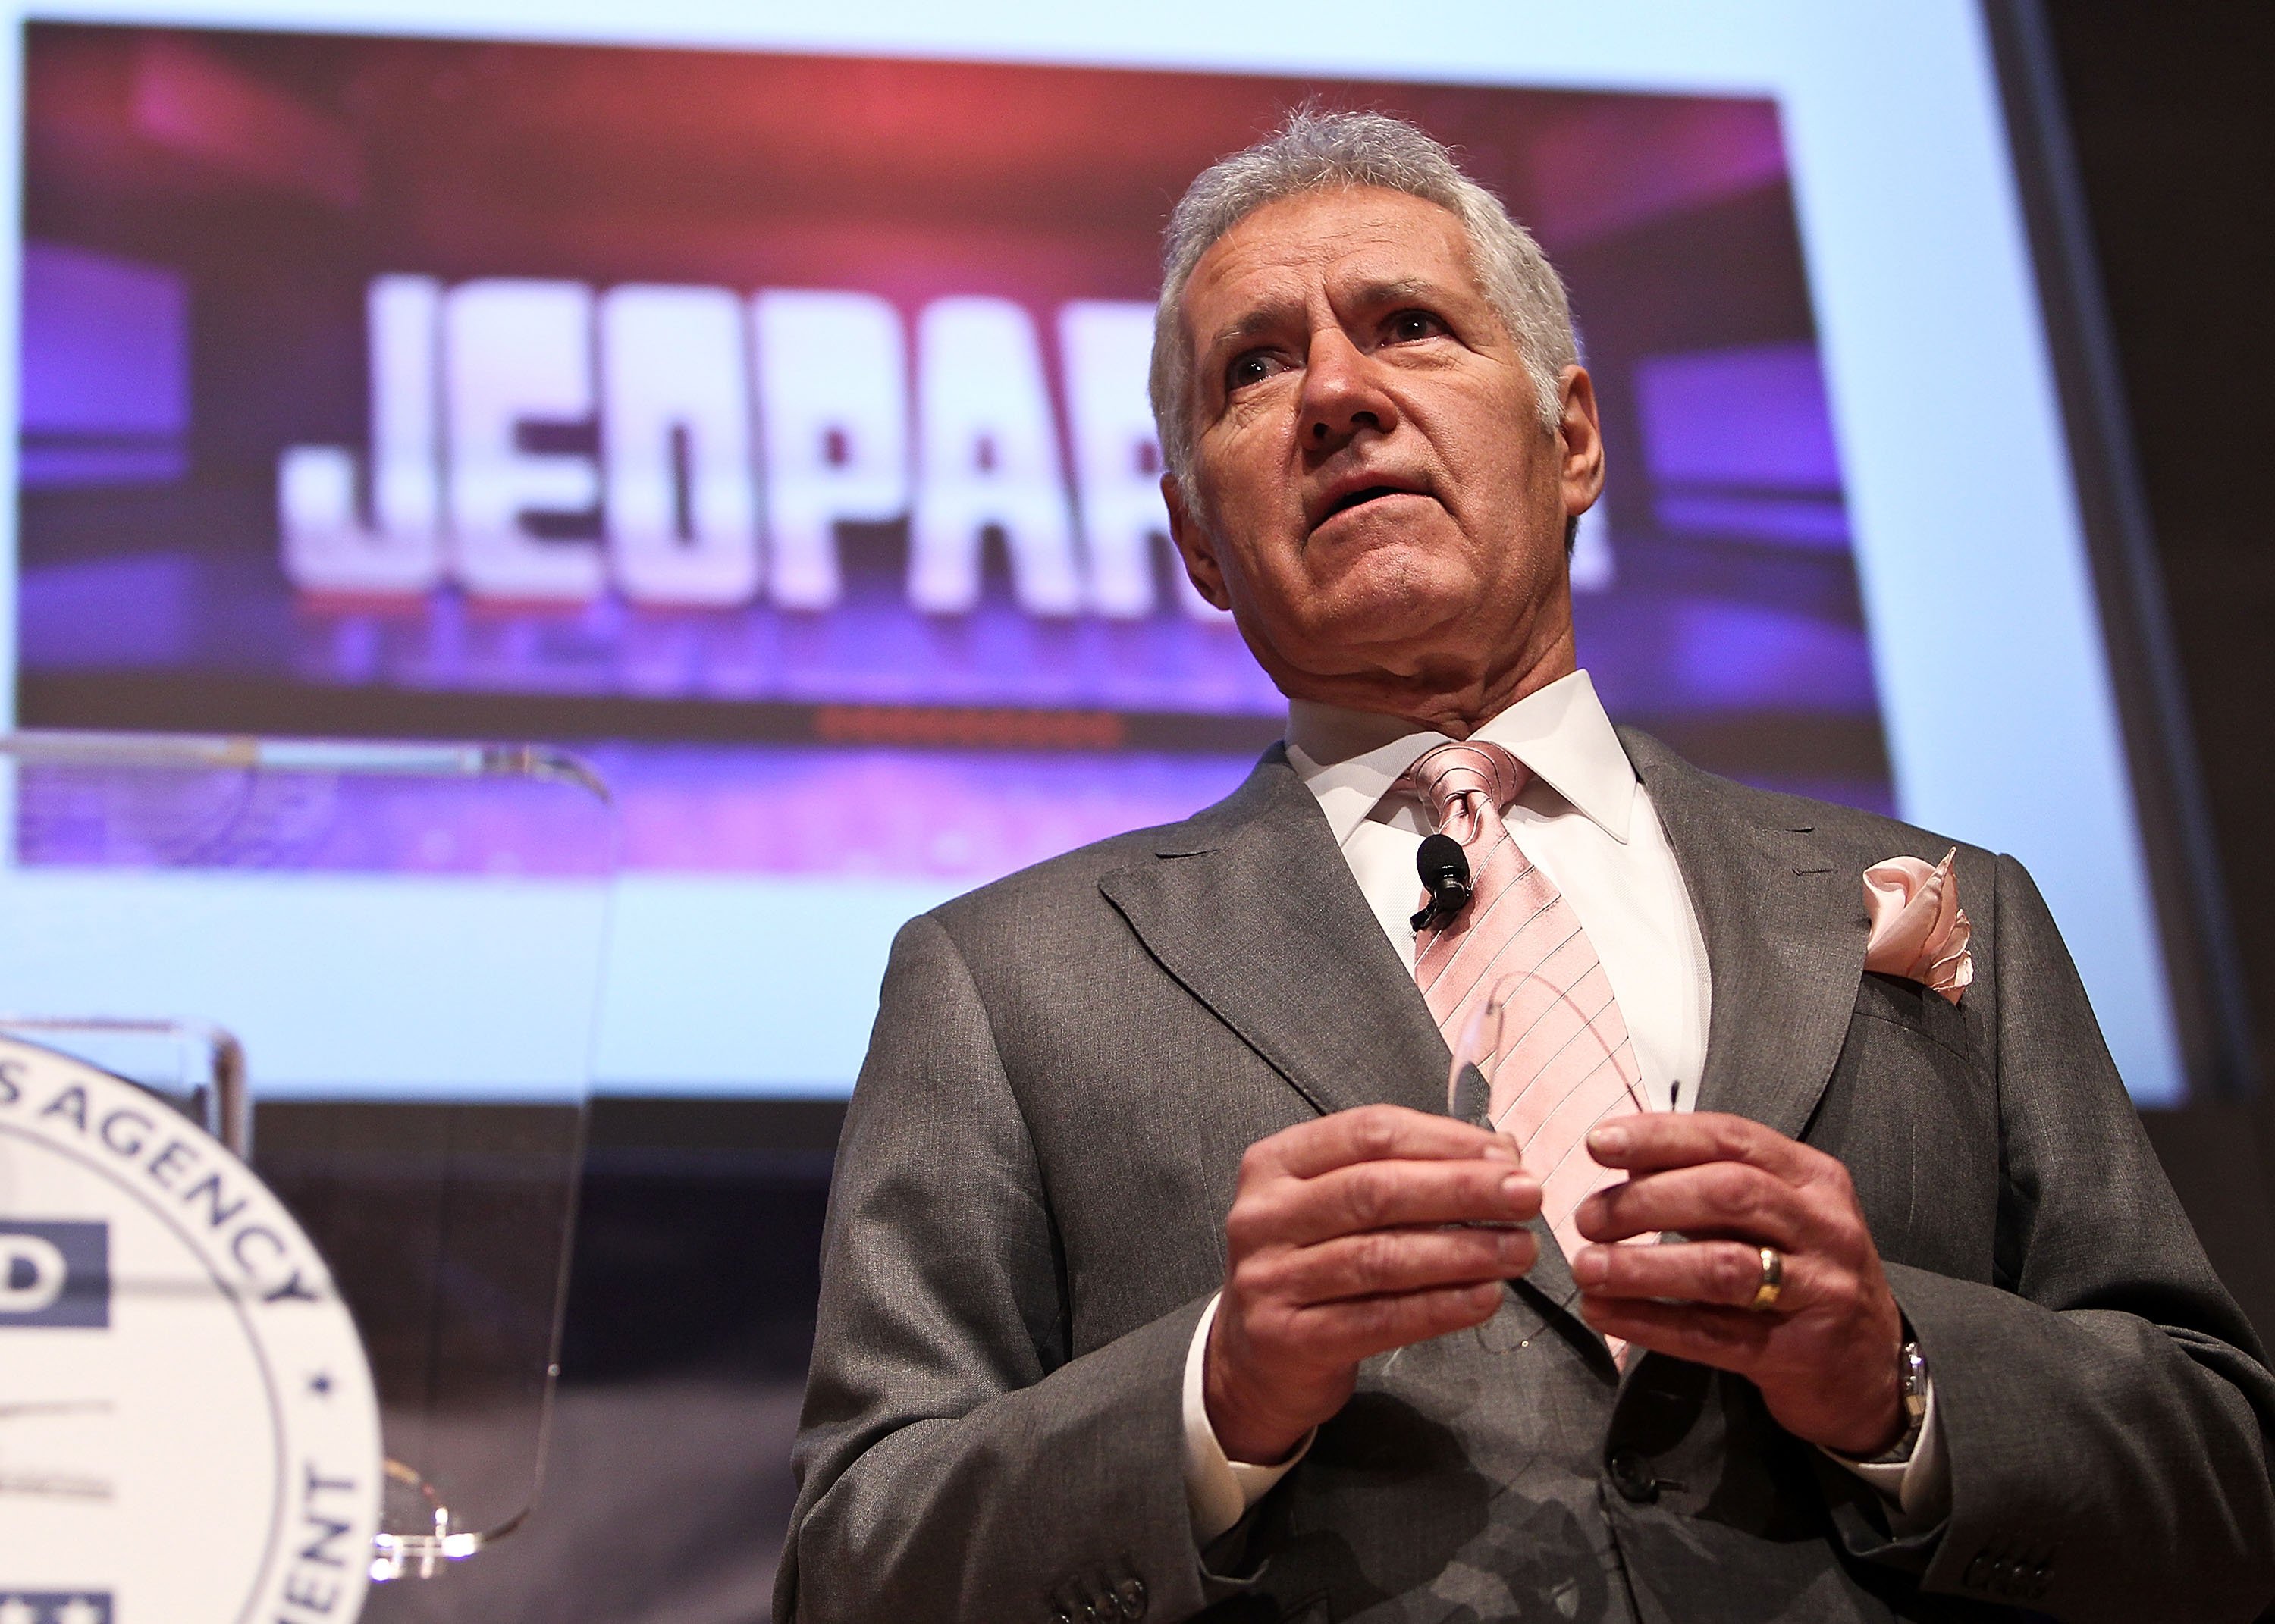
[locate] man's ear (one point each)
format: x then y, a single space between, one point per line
1195 544
1579 443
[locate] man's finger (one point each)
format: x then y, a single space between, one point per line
1359 1329
1724 1199
1728 1339
1651 1141
1386 1195
1719 1273
1387 1261
1378 1133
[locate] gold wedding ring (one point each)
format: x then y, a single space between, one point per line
1765 1295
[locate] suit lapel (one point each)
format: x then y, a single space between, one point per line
1785 931
1253 909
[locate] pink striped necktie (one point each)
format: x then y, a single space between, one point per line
1562 1061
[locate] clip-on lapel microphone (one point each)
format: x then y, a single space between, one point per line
1445 869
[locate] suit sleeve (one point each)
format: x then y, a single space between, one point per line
2105 1407
952 1461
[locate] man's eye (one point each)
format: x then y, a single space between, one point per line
1409 325
1253 368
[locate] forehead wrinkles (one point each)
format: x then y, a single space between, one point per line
1279 307
1264 279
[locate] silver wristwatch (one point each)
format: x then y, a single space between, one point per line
1911 1383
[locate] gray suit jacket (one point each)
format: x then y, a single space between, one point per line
1029 1212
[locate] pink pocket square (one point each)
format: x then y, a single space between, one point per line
1919 930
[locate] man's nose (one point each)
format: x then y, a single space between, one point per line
1342 393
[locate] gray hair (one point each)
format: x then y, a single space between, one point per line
1313 152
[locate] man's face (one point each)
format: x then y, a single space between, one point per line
1371 492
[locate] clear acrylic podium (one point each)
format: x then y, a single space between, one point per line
371 970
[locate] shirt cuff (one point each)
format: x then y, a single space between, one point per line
1218 1490
1917 1490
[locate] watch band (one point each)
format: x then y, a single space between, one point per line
1911 1381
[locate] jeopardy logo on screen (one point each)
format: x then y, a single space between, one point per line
54 1274
735 435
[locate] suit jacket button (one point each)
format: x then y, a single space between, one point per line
1130 1595
1632 1477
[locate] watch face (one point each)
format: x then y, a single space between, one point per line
188 1432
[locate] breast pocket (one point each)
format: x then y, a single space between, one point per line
1930 1015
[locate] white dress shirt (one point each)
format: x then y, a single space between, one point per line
1588 822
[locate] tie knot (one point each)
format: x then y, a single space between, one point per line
1453 776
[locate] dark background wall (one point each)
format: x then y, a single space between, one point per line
2173 135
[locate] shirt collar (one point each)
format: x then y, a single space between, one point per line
1350 759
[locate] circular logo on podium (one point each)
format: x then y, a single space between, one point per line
188 1432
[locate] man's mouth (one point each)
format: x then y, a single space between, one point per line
1359 498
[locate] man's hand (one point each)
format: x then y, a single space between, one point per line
1345 1242
1824 1358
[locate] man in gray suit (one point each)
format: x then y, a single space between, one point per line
1159 1278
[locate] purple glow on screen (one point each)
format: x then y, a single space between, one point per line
1754 416
105 380
897 813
